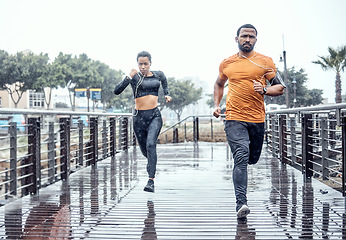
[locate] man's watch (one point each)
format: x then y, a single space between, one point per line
264 90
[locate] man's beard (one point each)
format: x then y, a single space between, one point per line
246 49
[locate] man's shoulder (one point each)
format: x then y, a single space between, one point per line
230 58
262 56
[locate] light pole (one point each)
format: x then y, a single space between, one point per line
294 90
285 79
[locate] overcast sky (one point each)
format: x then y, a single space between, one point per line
185 37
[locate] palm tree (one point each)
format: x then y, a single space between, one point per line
337 62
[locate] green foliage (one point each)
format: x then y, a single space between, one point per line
336 61
304 96
183 93
210 101
21 72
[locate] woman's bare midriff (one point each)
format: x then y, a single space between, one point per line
146 102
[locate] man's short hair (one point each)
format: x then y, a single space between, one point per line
246 26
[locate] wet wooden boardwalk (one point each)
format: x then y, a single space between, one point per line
194 199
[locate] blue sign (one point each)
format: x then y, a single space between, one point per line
95 95
80 92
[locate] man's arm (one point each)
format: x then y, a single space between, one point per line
277 86
275 90
218 94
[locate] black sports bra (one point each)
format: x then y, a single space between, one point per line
143 86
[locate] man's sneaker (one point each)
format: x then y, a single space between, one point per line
243 211
150 186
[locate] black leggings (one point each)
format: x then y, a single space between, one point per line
147 126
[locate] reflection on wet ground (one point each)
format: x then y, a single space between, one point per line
194 199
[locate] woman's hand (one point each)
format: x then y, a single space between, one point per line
168 99
133 73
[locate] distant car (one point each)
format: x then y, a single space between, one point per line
20 120
5 121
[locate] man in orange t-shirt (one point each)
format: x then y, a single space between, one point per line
247 73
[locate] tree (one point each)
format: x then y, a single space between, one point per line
183 93
109 78
55 76
20 72
336 61
304 96
210 102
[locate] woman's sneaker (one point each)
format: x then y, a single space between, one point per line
243 211
150 186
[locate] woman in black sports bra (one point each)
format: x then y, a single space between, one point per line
147 120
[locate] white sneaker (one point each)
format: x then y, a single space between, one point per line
243 211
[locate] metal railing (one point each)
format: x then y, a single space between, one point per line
312 139
195 128
51 145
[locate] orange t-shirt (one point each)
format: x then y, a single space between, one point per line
243 103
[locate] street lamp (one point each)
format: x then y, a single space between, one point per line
294 90
285 79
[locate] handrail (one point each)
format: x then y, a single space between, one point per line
54 112
312 139
338 106
191 116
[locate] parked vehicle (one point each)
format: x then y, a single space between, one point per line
84 118
5 121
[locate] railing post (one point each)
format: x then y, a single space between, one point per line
104 139
324 149
80 142
274 138
194 128
124 133
112 135
211 128
197 128
65 147
34 154
94 139
13 157
343 166
307 156
332 127
175 135
293 140
51 153
185 132
283 139
271 130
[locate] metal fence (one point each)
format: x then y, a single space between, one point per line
311 139
205 128
49 145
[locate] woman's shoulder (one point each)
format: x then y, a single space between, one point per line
158 74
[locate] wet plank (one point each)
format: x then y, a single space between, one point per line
194 199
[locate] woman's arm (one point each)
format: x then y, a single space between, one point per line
164 83
120 87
